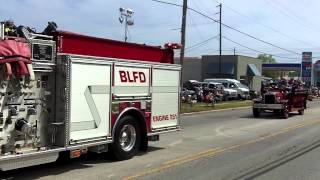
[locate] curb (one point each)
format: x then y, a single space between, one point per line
215 110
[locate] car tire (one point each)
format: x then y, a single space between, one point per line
301 112
285 114
239 97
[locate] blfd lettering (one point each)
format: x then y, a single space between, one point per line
131 77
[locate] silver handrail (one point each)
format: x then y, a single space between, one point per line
1 30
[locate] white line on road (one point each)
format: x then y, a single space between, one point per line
219 132
176 142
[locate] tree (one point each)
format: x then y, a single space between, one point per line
269 59
266 58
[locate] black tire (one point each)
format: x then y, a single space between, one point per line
118 150
276 111
256 112
285 114
301 112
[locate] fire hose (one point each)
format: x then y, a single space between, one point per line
15 57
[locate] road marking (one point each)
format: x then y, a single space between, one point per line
110 176
187 157
176 143
215 151
220 133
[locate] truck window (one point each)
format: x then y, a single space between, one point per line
225 85
211 86
232 85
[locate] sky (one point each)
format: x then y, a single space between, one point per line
289 24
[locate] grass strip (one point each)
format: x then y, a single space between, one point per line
197 107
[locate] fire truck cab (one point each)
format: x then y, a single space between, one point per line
70 93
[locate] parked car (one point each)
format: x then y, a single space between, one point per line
188 96
191 84
242 90
226 93
194 85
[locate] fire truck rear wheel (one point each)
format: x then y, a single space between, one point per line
127 138
256 112
285 114
301 112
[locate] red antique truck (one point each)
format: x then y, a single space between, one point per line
281 101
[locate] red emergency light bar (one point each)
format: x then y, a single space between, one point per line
72 43
173 46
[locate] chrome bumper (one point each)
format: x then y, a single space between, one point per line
268 106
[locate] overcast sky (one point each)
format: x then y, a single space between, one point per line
290 24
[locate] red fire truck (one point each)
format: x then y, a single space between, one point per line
67 93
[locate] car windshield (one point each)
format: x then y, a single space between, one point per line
225 85
220 86
241 85
232 85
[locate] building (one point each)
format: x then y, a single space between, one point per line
292 70
243 68
316 73
192 69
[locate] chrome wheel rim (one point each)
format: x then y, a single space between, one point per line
127 137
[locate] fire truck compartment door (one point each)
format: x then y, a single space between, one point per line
89 100
165 98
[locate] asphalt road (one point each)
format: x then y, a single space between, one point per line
220 145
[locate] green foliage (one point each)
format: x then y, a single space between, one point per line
266 58
269 59
294 74
187 108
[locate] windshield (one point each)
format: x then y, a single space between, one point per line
225 85
233 85
220 86
242 85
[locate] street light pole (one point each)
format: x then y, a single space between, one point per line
126 29
128 21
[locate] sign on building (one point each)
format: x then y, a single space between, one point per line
306 68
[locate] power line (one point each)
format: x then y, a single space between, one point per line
232 28
163 2
291 15
255 50
197 45
266 26
196 27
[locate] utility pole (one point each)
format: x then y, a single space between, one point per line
234 51
183 30
220 38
